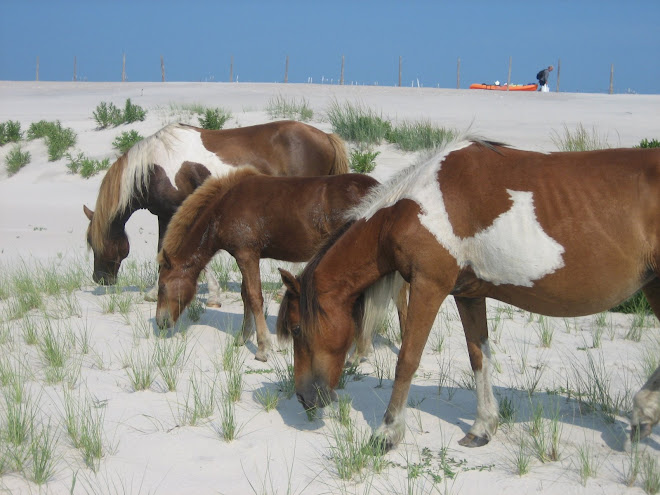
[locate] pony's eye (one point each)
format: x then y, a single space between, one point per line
295 331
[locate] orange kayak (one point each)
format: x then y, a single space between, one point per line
504 87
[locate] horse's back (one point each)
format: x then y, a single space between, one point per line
283 148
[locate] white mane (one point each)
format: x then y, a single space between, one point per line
169 148
404 182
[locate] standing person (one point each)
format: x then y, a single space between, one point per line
543 76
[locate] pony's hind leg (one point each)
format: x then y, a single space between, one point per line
473 317
214 288
253 299
646 403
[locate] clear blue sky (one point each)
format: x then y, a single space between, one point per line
198 38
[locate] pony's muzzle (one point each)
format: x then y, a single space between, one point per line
316 396
163 319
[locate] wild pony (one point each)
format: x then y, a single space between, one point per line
251 216
160 171
561 234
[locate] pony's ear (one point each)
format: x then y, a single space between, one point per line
167 264
88 213
290 281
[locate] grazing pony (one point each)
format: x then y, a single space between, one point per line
560 234
251 216
160 171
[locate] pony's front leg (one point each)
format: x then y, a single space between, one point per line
475 325
425 300
253 299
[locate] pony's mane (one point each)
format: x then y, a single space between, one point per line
199 205
129 177
404 181
310 310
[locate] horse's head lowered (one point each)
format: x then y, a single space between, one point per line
108 253
321 339
176 289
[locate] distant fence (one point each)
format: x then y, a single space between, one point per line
341 78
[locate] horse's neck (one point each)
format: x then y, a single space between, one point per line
356 254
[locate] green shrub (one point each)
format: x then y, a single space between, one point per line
363 162
214 118
10 132
281 108
415 136
645 143
85 165
133 113
58 139
357 123
107 115
126 140
16 160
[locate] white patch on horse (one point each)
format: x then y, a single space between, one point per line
513 250
168 148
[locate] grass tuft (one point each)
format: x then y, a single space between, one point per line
419 135
579 140
283 108
355 122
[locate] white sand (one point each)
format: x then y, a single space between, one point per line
147 451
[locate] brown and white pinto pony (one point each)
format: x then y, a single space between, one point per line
251 216
160 171
561 234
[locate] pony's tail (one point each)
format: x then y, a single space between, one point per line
376 302
340 166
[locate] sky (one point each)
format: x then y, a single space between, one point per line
198 40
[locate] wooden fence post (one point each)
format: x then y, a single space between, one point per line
162 68
558 72
286 70
508 78
123 68
37 67
341 79
399 70
612 79
458 73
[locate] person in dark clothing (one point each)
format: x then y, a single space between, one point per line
543 76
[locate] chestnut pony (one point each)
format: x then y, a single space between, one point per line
560 234
251 216
160 171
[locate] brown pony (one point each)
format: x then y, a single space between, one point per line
160 171
561 234
251 216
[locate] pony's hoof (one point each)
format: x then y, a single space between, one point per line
640 432
380 445
472 440
213 304
261 356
